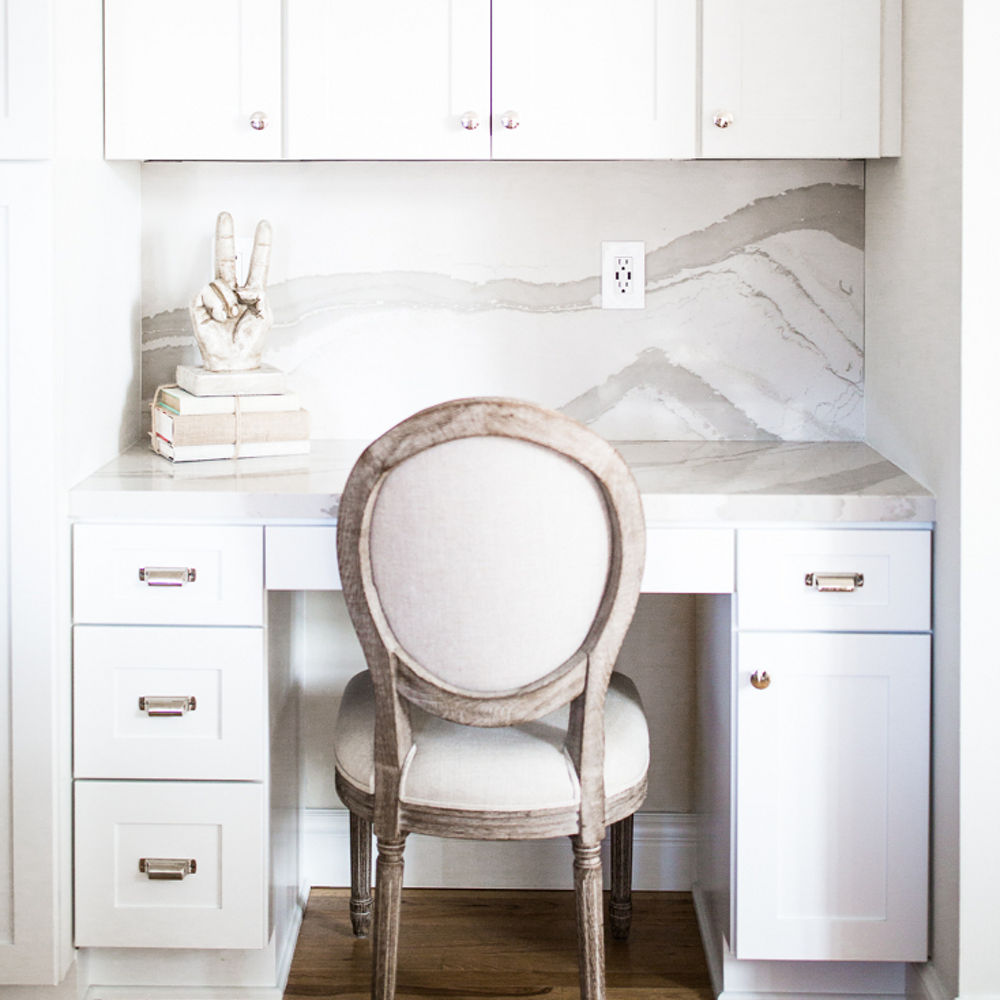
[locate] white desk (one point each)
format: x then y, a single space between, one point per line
746 518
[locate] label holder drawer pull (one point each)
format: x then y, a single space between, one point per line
168 869
835 583
167 576
159 706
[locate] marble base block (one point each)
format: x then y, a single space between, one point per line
263 381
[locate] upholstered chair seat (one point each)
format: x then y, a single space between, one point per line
512 768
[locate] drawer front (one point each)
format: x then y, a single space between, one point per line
689 561
301 557
831 580
218 826
167 575
168 702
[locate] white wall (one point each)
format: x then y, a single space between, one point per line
979 966
912 330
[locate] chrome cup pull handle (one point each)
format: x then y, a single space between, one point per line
158 706
837 583
167 869
167 576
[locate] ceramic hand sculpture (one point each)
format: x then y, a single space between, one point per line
230 320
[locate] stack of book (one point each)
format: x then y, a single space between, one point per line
187 428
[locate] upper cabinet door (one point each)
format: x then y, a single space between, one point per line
594 79
25 69
388 79
192 79
808 78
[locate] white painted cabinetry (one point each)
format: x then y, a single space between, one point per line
25 80
831 716
831 796
34 719
595 80
808 78
192 79
171 737
388 80
511 79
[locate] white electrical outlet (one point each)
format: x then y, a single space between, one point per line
623 274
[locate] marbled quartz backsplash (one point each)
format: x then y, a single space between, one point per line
395 286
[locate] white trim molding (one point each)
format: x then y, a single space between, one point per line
663 856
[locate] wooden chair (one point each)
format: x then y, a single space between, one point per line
491 552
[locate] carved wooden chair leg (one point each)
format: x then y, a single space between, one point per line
588 882
620 910
361 875
388 900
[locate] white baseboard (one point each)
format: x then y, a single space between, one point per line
663 856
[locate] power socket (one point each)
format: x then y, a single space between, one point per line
623 274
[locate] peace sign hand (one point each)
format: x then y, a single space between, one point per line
230 321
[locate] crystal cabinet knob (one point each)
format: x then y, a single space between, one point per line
722 119
469 121
510 119
259 121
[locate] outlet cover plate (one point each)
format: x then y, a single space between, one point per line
623 274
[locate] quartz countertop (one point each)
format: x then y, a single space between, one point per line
689 482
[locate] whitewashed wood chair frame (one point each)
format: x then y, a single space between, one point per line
580 681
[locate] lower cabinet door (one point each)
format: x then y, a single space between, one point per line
170 864
832 797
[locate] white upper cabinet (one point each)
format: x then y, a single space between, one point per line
25 92
596 80
387 79
511 79
809 78
192 79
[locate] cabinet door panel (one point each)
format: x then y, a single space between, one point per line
798 78
25 70
183 79
387 79
832 797
594 80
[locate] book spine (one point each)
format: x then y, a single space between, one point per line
230 428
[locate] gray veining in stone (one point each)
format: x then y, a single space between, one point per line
753 326
690 482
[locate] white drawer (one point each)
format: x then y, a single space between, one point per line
781 576
689 561
119 578
202 692
220 826
301 557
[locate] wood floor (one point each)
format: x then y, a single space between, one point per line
480 945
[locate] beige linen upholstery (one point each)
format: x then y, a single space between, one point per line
491 552
490 557
515 767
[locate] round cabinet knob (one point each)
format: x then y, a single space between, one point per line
722 119
760 680
510 119
259 121
469 121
